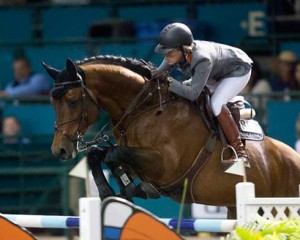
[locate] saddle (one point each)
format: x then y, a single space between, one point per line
242 112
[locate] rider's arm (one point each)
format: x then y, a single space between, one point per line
162 71
198 81
164 66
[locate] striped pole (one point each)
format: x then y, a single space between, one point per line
43 221
189 225
202 225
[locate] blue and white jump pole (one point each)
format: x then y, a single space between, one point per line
189 225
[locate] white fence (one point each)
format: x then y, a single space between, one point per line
249 207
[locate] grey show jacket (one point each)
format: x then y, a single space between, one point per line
210 61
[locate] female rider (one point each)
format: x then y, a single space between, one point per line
225 70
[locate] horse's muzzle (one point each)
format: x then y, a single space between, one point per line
63 153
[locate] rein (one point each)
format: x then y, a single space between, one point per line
133 104
136 103
82 146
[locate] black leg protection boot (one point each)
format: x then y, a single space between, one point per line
95 156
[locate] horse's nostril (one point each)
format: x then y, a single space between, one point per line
62 152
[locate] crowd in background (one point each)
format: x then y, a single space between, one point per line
25 83
283 75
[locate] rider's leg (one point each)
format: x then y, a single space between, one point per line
225 91
231 132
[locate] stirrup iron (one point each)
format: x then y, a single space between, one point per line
246 161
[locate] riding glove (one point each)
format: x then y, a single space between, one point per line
163 77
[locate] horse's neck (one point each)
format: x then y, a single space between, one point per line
114 87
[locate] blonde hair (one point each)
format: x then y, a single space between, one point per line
187 48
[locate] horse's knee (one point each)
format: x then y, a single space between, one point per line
96 153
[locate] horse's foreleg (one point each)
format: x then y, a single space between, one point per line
94 158
125 182
128 155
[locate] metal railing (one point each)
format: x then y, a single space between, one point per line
30 170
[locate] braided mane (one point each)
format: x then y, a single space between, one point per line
136 65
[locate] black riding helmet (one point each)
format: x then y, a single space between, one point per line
174 35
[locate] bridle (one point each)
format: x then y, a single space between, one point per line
78 141
62 88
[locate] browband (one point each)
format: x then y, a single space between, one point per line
60 89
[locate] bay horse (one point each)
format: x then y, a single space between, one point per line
163 144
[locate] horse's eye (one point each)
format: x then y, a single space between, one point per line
73 102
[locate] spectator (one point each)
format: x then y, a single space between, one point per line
11 131
26 82
284 78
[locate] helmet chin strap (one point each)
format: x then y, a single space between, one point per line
183 54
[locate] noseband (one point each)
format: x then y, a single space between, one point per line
58 91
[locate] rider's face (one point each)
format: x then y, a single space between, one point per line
174 56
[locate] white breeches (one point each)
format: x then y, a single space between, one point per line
226 89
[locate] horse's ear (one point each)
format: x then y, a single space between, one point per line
71 68
51 71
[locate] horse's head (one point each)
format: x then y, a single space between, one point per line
75 107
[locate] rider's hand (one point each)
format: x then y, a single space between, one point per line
159 75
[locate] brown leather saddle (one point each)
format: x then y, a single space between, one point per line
249 128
